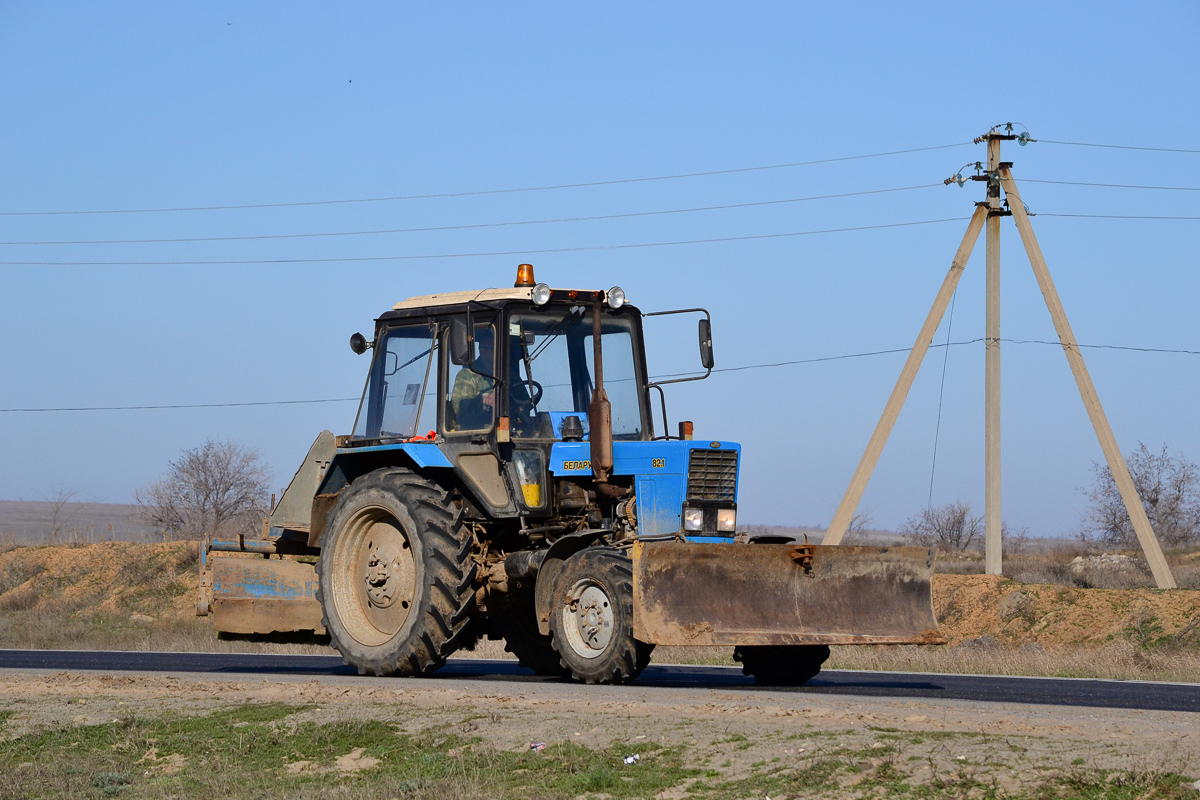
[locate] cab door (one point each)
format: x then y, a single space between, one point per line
468 398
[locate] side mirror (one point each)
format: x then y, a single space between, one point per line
359 344
462 344
706 354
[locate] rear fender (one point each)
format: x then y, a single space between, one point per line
350 463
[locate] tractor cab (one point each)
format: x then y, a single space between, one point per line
539 400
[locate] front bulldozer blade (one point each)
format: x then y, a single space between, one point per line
782 594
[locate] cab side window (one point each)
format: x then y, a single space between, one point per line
471 392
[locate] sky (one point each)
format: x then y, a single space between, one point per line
134 106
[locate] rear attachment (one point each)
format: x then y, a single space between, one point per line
247 594
782 594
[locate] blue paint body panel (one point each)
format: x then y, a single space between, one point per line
251 578
350 462
659 470
423 454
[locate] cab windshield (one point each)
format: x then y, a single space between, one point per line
393 402
550 371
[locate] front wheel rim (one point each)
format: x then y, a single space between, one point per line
588 619
373 576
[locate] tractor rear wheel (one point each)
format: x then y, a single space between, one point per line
591 618
395 579
781 665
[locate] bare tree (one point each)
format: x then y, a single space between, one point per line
856 531
950 527
216 489
61 515
1014 540
1169 488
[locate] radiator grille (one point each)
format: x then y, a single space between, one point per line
712 475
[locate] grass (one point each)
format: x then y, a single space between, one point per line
270 750
1118 660
282 751
1050 564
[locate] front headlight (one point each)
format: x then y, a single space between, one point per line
727 519
540 294
616 297
693 519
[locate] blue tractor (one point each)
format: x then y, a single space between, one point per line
542 507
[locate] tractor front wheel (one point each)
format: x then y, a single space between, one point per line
517 626
591 620
395 579
781 665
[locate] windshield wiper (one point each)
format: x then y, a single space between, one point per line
556 330
412 360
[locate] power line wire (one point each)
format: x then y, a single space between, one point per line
1120 146
673 243
479 192
1114 216
350 259
182 405
820 360
941 394
347 399
1108 347
1115 185
774 364
478 225
931 347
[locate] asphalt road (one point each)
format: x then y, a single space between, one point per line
999 689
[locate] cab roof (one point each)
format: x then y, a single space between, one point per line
458 298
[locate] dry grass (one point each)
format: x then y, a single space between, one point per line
1120 660
1050 563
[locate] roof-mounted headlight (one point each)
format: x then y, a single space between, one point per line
540 294
616 297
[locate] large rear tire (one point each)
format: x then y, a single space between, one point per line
395 578
591 619
783 665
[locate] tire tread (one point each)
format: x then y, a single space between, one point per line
444 600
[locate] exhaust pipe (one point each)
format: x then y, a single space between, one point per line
599 410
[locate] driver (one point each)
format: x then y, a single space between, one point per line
474 396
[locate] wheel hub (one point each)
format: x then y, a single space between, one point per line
381 579
588 615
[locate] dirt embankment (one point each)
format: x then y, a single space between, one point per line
120 591
971 606
158 580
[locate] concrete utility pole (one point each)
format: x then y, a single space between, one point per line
999 176
991 405
1087 390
